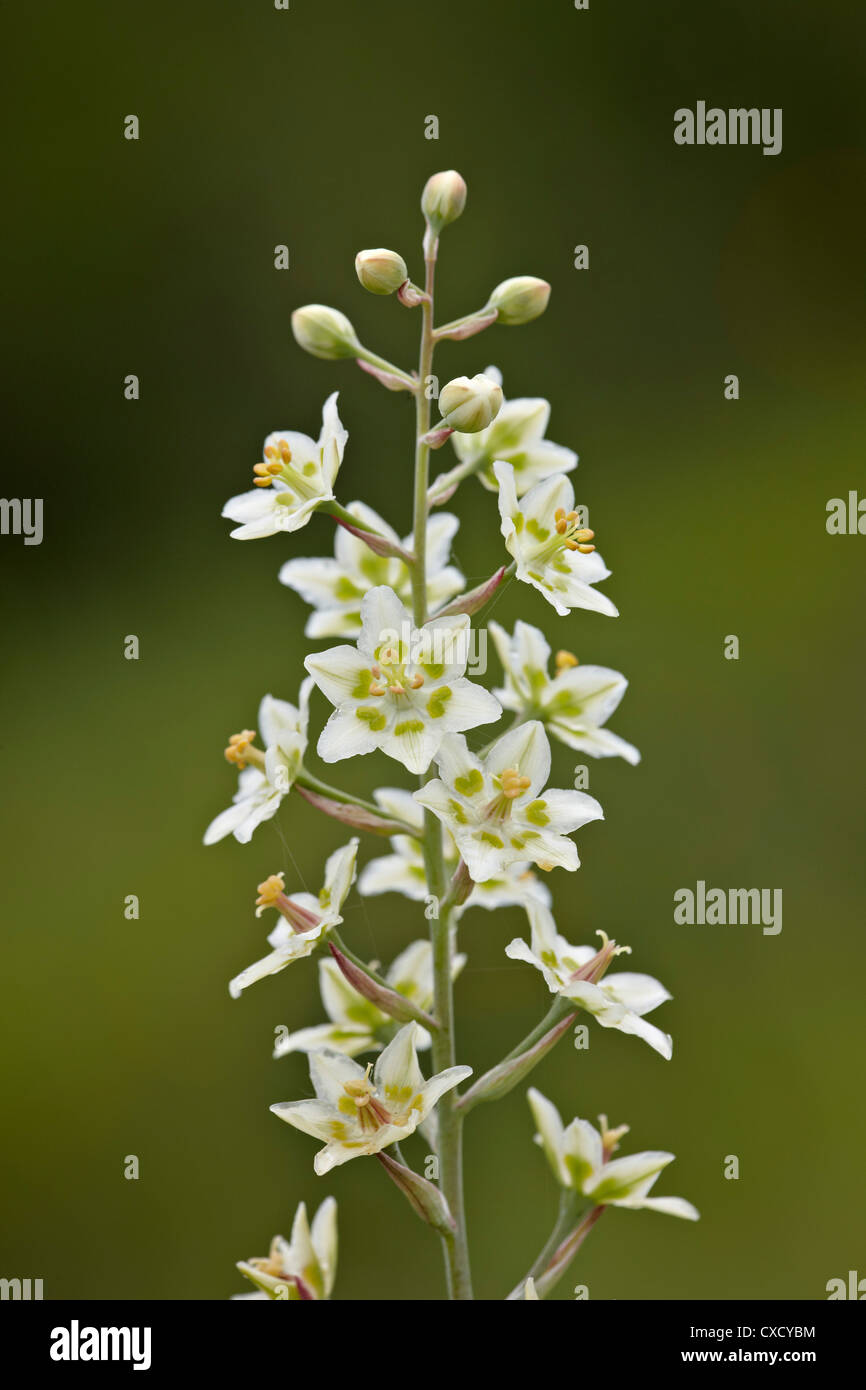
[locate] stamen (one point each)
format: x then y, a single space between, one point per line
610 1137
417 681
564 661
270 891
513 783
238 749
376 688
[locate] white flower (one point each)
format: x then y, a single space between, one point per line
402 689
297 475
516 436
579 1157
573 705
499 812
404 870
304 920
355 1021
262 787
615 1001
335 587
355 1114
302 1268
544 535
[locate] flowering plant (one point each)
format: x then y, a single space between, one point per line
477 826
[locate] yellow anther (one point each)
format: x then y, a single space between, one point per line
261 468
565 660
584 535
285 452
562 526
375 672
376 688
237 747
270 452
417 681
572 516
513 783
389 654
396 688
275 468
269 891
261 482
610 1137
586 549
559 514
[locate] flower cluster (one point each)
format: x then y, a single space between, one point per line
481 824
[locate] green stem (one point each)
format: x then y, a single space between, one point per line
568 1201
450 1153
306 779
455 476
384 365
418 1014
565 1253
338 510
558 1009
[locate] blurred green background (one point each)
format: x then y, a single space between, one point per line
306 127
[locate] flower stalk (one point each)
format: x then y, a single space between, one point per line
479 824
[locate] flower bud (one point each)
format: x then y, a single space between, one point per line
381 271
469 404
443 199
324 332
520 299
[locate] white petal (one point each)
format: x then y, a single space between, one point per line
570 810
435 1088
441 530
393 873
339 877
341 673
669 1206
640 993
618 1178
411 741
527 749
401 805
468 706
315 580
397 1067
583 1152
383 619
310 1116
324 1237
329 1072
550 1132
346 736
350 1038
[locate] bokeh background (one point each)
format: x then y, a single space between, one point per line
306 127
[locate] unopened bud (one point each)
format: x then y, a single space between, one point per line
520 299
381 271
324 332
468 404
443 199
